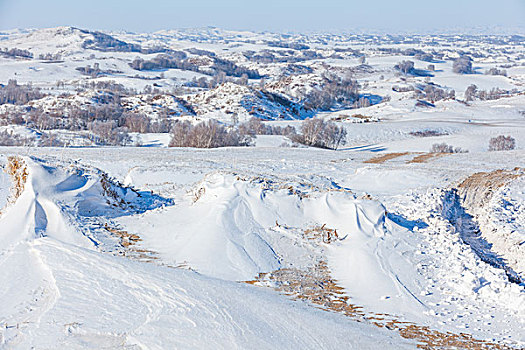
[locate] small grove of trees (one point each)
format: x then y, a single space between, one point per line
50 57
254 126
318 133
335 91
433 93
107 133
14 52
405 67
462 65
18 94
444 148
8 138
472 93
502 143
177 59
208 134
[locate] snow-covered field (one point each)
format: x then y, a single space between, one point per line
379 244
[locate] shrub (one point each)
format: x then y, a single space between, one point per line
496 71
502 143
444 148
318 133
427 133
210 134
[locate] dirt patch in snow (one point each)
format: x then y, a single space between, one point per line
384 157
425 157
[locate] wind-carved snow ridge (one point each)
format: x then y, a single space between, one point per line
72 204
63 293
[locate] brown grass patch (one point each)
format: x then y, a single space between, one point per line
384 157
477 189
316 286
17 170
128 242
321 233
423 158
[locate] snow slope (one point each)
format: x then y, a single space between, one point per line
64 292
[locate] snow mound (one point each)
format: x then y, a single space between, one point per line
54 200
229 99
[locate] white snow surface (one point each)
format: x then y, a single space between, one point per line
61 292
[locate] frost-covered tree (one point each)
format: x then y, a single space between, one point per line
405 67
462 65
470 92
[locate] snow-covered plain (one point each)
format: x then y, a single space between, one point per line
154 247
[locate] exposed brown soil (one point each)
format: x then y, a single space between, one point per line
384 157
423 158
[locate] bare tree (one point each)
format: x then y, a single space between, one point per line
210 134
318 133
502 143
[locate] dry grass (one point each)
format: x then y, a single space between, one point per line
423 158
478 188
384 157
321 233
315 285
108 185
128 242
17 170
